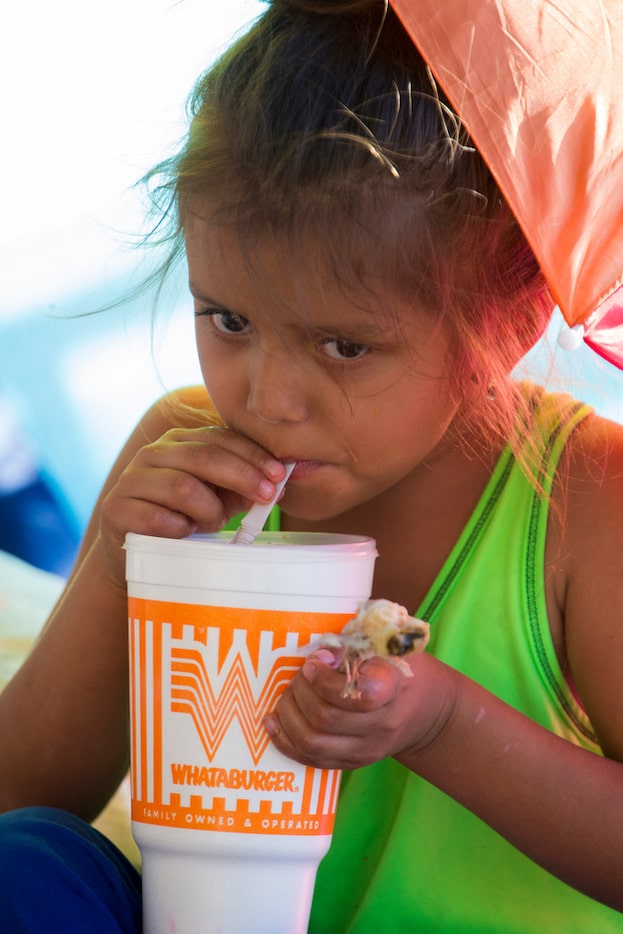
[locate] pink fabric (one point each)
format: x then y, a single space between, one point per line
604 329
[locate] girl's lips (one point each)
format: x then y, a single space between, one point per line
304 469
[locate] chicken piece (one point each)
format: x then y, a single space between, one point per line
380 628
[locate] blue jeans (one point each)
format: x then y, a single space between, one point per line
58 875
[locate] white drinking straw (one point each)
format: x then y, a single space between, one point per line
253 522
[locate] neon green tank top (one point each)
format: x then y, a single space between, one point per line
406 857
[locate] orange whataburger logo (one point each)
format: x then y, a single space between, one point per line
203 679
212 713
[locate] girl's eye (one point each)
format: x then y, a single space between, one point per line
226 321
342 350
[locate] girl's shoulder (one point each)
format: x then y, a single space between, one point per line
594 458
590 504
569 442
589 489
185 407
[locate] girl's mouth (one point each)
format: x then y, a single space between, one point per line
304 469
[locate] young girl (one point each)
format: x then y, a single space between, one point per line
362 293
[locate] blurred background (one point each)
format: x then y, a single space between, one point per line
93 94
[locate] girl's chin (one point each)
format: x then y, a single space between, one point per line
309 504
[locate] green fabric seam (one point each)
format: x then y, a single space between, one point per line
469 538
545 480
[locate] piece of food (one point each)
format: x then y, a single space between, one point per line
380 628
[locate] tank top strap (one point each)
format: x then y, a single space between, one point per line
553 416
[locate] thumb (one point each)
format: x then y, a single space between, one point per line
322 656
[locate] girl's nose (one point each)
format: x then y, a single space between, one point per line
277 388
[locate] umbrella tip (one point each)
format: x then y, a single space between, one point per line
570 338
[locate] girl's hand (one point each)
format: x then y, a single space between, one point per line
189 480
395 715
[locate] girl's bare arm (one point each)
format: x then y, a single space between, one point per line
560 804
64 716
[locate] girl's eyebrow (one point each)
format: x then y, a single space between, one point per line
358 331
212 302
202 298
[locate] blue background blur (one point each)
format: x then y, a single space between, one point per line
93 95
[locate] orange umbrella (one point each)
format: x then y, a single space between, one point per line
539 85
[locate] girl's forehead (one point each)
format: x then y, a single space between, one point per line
292 286
365 247
274 275
293 263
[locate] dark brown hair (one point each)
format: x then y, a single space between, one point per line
324 119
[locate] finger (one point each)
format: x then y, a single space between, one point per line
377 683
177 491
217 464
229 459
318 751
312 726
187 482
122 514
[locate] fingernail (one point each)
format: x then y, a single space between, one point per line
267 489
270 725
322 656
326 657
274 468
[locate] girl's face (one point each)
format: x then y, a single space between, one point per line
351 384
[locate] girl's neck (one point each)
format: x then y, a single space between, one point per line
416 523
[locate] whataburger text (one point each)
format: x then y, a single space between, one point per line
247 779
